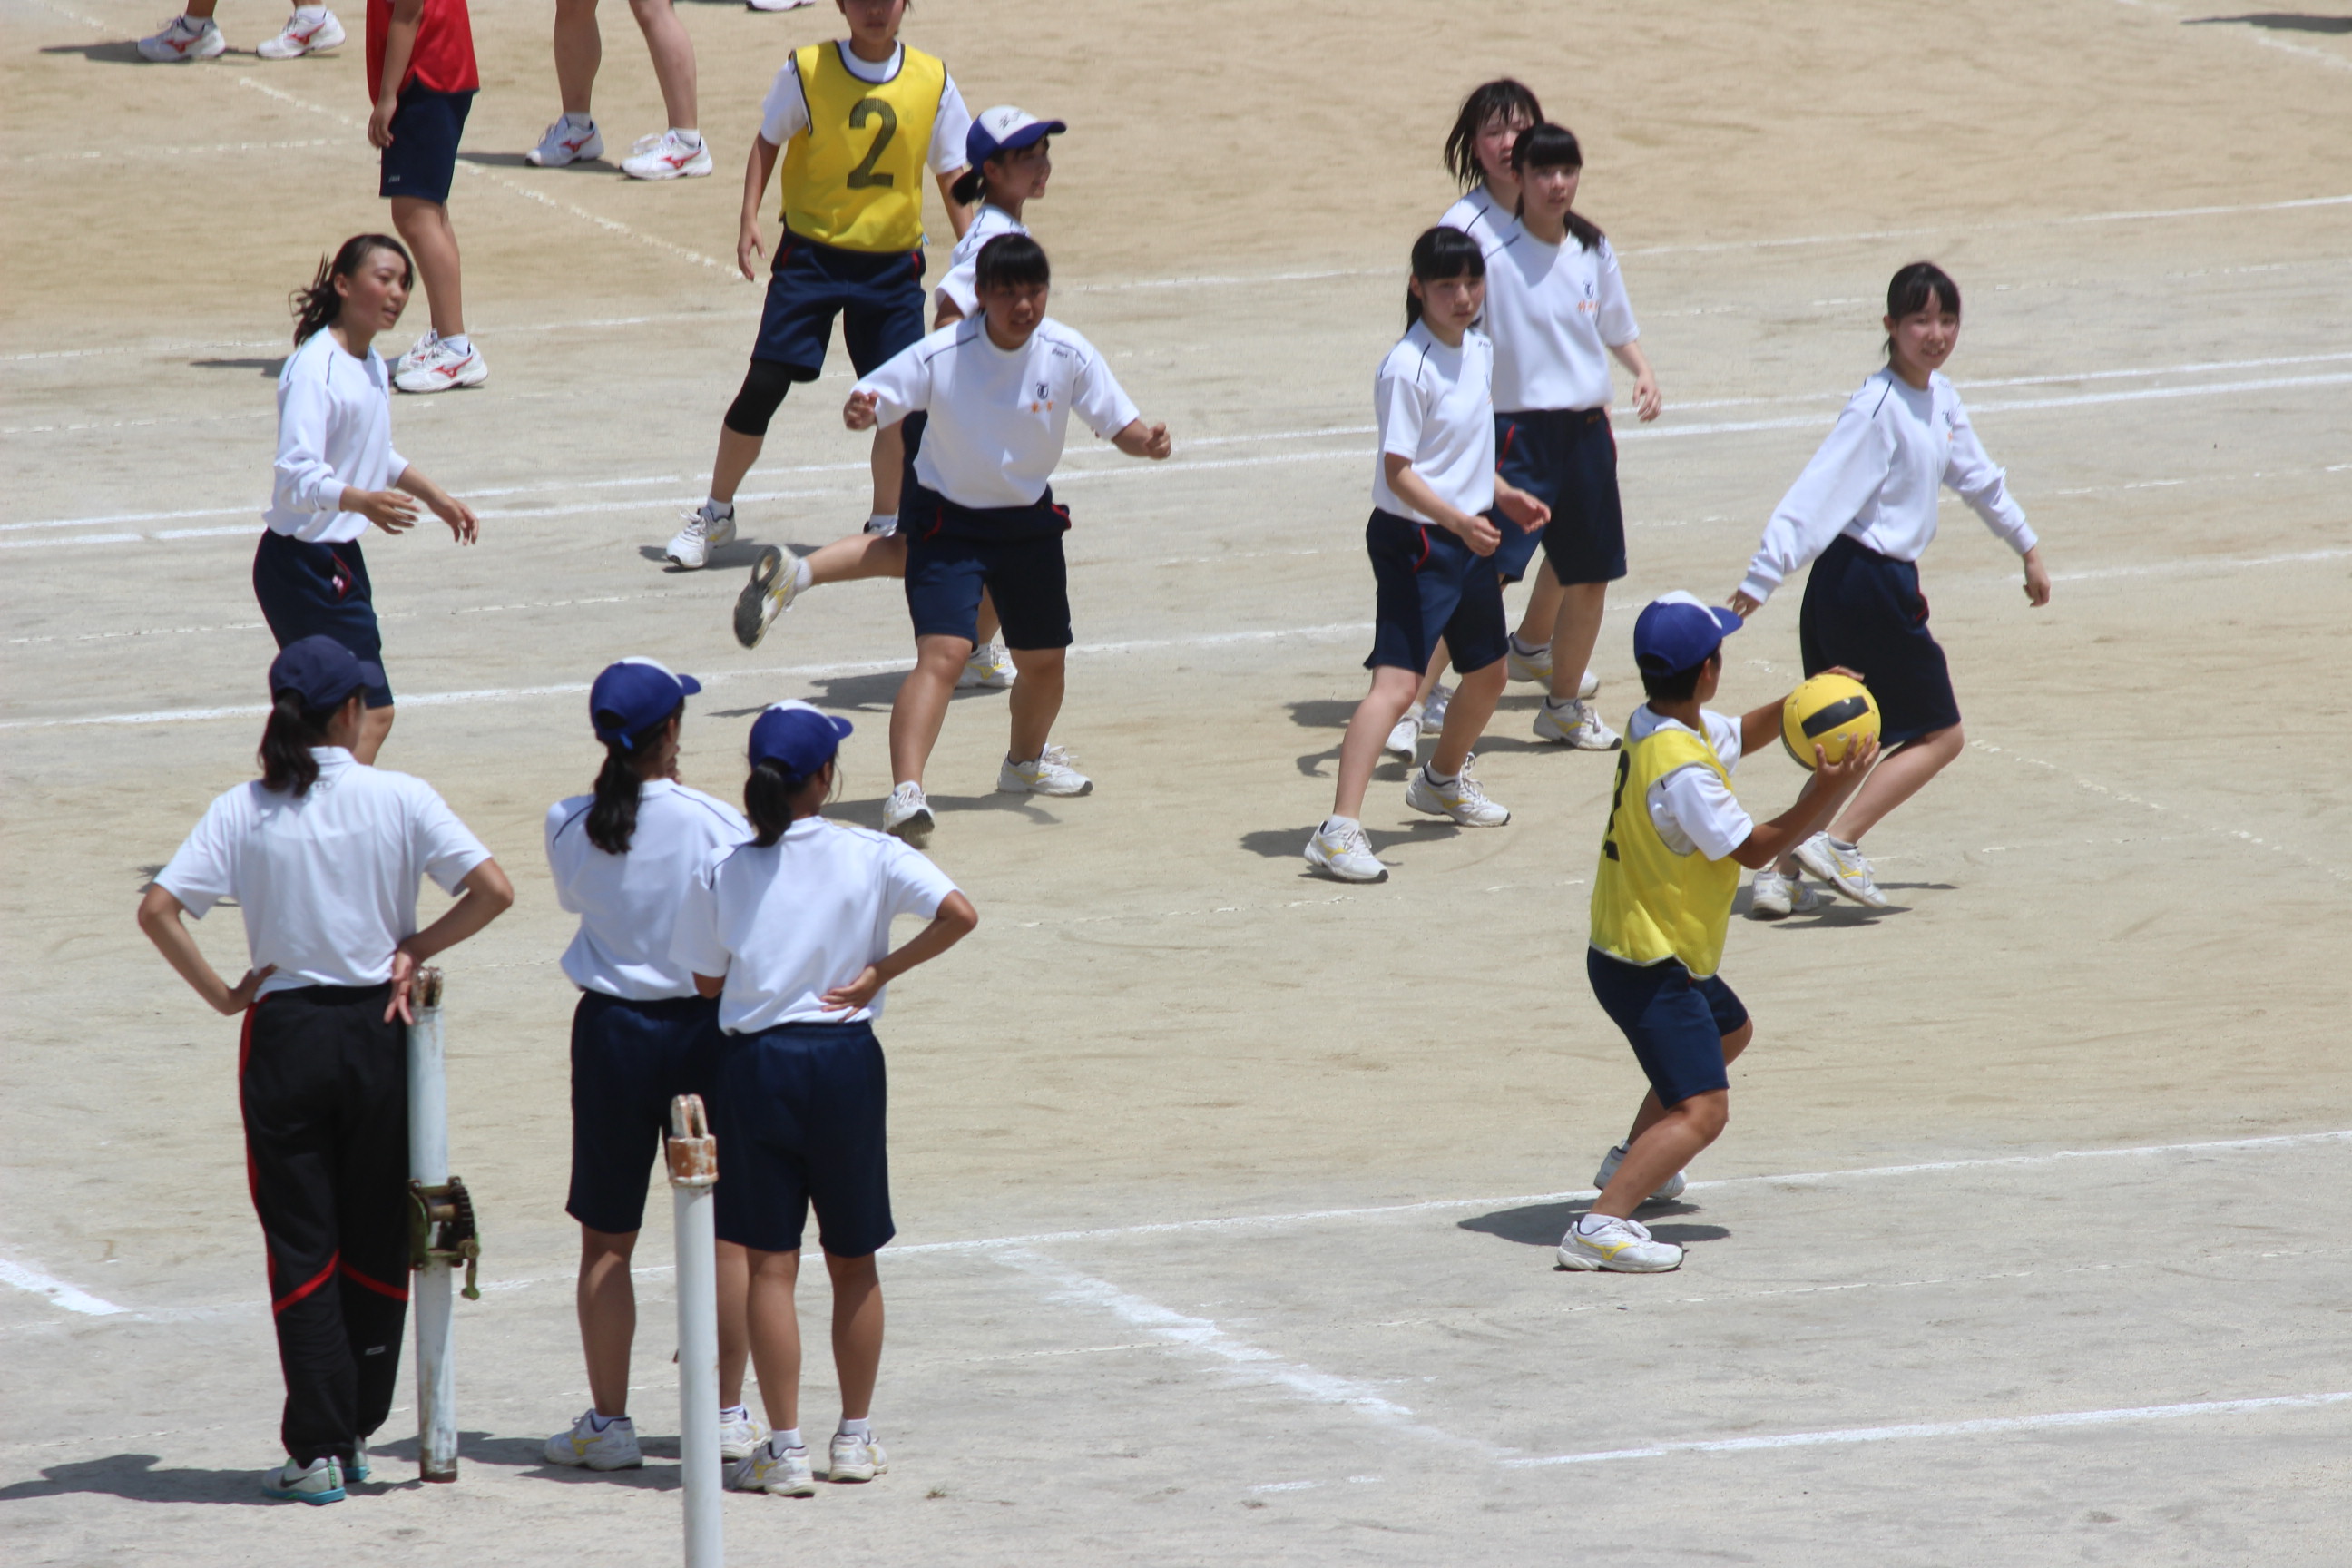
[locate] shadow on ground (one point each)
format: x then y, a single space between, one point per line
1542 1224
267 367
2278 21
1288 843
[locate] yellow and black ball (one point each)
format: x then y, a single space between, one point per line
1835 713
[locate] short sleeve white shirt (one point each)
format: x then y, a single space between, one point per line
787 923
960 286
1478 215
327 881
334 428
1689 806
999 417
1436 410
1554 312
783 113
628 904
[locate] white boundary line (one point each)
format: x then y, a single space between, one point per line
71 1297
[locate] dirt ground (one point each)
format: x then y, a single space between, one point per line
1225 1194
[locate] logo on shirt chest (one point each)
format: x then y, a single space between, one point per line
1041 400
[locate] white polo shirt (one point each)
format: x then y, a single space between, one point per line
783 113
628 904
1436 410
1478 215
327 881
787 923
1554 312
1689 806
334 428
999 419
960 286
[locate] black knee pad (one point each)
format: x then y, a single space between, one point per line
764 385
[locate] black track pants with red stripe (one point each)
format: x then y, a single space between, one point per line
324 1081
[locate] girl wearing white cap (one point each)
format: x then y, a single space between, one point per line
792 933
337 474
622 858
1010 160
324 856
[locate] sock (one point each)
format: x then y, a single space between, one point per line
882 522
713 507
862 1429
1562 704
1842 844
734 1413
579 121
804 574
785 1442
1528 649
691 138
598 1421
1335 825
1588 1224
460 343
310 13
1429 771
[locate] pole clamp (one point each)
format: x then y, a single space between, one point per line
441 1225
693 1152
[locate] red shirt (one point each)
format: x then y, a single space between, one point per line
442 60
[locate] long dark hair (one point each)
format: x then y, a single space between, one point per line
315 308
1501 99
613 815
286 765
769 795
1909 292
1549 146
1440 255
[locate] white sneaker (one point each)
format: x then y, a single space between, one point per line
1619 1245
1844 866
738 1437
668 156
1588 688
768 594
856 1459
311 29
614 1448
1575 725
1404 741
776 5
1346 855
565 143
432 365
357 1471
1773 897
1534 666
779 1472
1462 799
1045 776
319 1482
1666 1191
907 815
185 39
989 669
705 532
1432 712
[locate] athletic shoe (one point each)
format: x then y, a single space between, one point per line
185 39
1619 1245
856 1459
614 1448
1844 866
565 143
1666 1192
1405 739
1346 855
768 594
705 532
1432 712
432 365
907 815
779 1472
1575 725
668 156
989 669
1772 896
311 29
1461 799
1533 667
738 1437
319 1482
1046 775
776 5
357 1471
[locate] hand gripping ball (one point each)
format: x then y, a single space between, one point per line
1835 713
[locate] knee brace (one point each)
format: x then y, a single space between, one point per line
764 385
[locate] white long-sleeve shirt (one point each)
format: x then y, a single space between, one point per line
334 428
1875 480
1554 312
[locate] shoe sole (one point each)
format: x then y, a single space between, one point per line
1570 742
915 831
751 618
665 175
1325 868
1583 1264
1026 788
1449 816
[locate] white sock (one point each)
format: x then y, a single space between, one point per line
785 1442
1528 649
598 1421
887 519
804 574
1562 704
310 13
735 1412
862 1429
579 121
1335 825
460 342
1433 776
1588 1224
713 507
691 138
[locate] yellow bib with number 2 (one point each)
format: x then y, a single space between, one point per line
855 177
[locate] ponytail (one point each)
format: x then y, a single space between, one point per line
612 814
315 308
1548 146
286 765
1440 255
771 797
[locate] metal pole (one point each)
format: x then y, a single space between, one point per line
428 1163
693 1170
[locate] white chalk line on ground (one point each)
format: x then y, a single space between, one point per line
71 1297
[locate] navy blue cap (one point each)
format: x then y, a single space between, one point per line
1677 631
1005 129
322 671
632 696
797 738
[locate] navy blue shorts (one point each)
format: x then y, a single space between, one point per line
629 1060
1431 585
1567 459
878 297
1015 551
307 589
1675 1024
1864 611
423 158
798 1113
